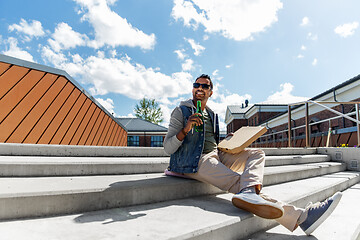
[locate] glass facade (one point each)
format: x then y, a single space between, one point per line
156 141
133 141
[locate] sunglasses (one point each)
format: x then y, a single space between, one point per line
203 85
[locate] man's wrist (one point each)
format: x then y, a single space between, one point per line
184 132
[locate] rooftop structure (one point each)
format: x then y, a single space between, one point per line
44 105
138 125
142 133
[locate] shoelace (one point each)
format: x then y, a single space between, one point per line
317 205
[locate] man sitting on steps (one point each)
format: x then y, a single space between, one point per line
195 155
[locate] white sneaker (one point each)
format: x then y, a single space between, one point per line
255 204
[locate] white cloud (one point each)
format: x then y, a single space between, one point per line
15 51
130 115
65 37
347 29
110 28
108 104
100 54
122 76
229 66
33 29
300 56
77 58
50 56
314 62
113 53
180 54
166 111
188 65
215 75
237 20
198 49
303 48
60 61
305 21
284 96
219 102
206 37
312 36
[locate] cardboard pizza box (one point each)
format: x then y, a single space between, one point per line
241 139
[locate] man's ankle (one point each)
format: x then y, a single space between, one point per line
302 217
250 189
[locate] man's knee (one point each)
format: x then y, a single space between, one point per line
258 151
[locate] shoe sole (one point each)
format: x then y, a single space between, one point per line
261 210
326 214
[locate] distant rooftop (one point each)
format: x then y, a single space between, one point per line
140 125
283 102
238 108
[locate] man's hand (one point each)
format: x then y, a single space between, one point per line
192 121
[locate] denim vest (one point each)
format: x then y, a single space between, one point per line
186 158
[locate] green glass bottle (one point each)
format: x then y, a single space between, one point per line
198 110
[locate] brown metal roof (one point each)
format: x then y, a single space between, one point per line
43 105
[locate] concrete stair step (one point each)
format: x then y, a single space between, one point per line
279 174
206 217
295 159
44 196
21 166
16 149
289 151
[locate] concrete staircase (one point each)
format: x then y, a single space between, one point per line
72 192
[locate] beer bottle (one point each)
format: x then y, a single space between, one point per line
198 110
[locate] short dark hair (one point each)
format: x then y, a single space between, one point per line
207 77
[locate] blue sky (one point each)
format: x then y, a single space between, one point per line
121 51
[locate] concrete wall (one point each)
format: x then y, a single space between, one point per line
349 155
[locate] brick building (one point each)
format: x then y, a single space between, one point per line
142 133
251 115
322 121
235 117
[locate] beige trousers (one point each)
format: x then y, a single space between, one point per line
233 172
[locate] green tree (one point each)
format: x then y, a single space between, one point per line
148 109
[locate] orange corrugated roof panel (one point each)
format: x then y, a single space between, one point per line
42 105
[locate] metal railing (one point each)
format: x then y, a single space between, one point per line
308 124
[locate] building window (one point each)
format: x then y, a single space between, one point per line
156 141
133 141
